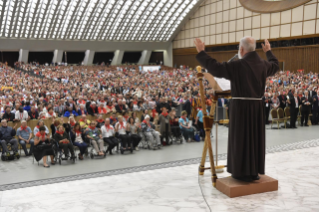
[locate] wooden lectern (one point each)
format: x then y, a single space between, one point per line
208 120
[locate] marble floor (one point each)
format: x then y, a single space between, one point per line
178 189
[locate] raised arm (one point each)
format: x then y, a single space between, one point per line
273 64
215 68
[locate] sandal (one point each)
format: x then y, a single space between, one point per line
52 163
46 166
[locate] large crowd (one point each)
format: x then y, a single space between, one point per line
95 106
119 107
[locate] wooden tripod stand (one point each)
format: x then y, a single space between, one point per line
208 121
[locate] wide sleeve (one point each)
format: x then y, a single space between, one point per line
273 64
221 70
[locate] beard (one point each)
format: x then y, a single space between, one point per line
239 55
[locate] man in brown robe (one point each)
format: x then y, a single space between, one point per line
246 139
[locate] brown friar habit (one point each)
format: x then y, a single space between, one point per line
246 137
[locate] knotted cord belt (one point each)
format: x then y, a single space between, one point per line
247 98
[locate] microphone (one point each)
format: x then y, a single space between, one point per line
233 58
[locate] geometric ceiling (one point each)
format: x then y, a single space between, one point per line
120 20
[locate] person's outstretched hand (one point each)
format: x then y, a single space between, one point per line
266 46
200 46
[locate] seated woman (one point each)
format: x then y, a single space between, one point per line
165 128
188 131
84 122
152 136
126 116
72 121
121 128
94 134
174 125
101 109
79 140
37 128
110 108
134 116
50 113
99 121
134 129
64 141
43 147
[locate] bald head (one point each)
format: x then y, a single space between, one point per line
247 44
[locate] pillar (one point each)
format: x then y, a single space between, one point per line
88 58
168 55
117 59
57 56
145 58
23 55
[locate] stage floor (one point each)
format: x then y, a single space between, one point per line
179 189
23 170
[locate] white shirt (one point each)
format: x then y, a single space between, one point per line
121 130
22 116
49 116
107 132
296 101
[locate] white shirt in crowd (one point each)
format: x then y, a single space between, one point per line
106 133
49 116
21 116
121 130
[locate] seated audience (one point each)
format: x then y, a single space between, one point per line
108 135
33 114
84 122
8 115
40 124
134 129
79 140
24 134
43 147
51 113
148 129
64 141
21 114
93 110
95 136
99 121
7 136
121 128
187 131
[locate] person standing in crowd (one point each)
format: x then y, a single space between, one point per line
267 104
282 99
292 100
305 109
315 109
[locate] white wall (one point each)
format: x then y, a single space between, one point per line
226 21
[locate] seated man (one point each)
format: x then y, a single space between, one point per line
93 110
102 109
95 136
21 114
149 131
82 110
6 136
37 128
108 135
70 112
188 131
24 134
113 119
33 114
8 115
84 122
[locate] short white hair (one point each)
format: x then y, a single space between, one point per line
248 43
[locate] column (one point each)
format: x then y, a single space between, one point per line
168 55
23 55
57 56
117 59
88 58
145 58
